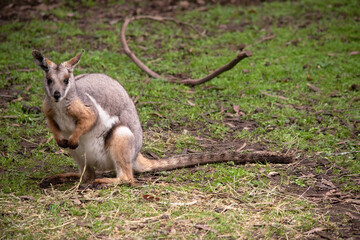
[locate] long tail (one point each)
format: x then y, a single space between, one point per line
143 164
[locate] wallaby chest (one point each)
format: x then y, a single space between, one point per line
65 122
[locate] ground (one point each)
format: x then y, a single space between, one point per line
298 94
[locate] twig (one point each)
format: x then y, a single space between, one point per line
191 82
312 87
276 96
29 141
266 38
184 204
261 40
342 153
304 192
11 116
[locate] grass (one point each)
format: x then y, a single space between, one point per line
312 45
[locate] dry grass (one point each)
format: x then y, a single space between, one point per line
160 210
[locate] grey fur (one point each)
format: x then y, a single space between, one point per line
106 91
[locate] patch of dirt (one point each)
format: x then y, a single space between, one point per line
26 10
323 189
7 95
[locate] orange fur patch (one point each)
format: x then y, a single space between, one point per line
54 127
120 145
85 119
49 62
72 62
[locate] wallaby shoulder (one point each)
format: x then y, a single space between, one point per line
107 92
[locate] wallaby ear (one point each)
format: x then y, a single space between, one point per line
43 62
70 65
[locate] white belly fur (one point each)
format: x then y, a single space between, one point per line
91 145
92 150
66 123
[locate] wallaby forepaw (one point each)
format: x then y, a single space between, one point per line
73 144
63 143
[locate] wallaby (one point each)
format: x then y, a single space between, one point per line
93 116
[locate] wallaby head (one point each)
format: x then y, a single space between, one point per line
59 78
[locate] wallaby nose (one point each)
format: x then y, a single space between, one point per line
57 95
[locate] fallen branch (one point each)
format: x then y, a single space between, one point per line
217 72
191 82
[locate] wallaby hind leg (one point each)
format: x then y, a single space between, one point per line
121 149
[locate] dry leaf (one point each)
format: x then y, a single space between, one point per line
271 174
236 108
17 100
318 229
28 88
151 198
308 76
206 228
230 125
76 201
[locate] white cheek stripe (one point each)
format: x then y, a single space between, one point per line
107 120
66 90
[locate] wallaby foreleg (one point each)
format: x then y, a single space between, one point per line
85 119
54 127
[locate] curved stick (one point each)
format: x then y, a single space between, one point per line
191 82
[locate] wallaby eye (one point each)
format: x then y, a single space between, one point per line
66 80
49 81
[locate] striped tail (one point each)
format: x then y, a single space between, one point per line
143 164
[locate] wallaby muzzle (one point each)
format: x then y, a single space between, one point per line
57 96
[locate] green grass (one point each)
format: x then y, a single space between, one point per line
212 201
